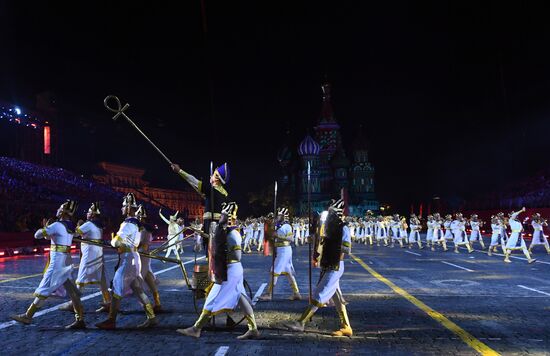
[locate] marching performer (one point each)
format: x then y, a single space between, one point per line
197 226
539 238
175 234
91 269
430 232
57 277
248 234
414 236
515 241
395 225
458 227
283 256
381 231
128 274
261 231
495 236
448 236
476 224
369 224
146 237
218 180
438 234
227 273
335 244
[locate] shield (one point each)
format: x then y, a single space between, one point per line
332 242
217 253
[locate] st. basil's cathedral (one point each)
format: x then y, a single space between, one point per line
332 172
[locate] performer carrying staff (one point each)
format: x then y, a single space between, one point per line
515 241
335 244
128 274
476 224
414 236
175 234
227 273
283 256
539 238
91 269
219 178
146 237
58 273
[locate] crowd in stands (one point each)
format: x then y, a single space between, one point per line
533 192
30 192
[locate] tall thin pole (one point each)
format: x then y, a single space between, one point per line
273 247
309 222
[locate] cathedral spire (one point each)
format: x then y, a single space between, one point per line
327 114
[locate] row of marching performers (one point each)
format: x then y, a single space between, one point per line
507 232
253 230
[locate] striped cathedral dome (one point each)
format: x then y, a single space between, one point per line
308 147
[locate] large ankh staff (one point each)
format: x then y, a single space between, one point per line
120 111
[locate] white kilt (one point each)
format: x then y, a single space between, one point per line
413 236
91 265
495 239
448 235
225 297
475 235
128 271
327 286
283 261
460 237
515 242
58 272
538 238
429 235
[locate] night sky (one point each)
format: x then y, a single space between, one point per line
454 98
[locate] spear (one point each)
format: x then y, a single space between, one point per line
309 221
274 249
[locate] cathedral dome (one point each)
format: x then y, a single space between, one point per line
308 147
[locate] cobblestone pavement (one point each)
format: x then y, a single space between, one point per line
503 306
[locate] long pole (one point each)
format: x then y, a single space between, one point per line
273 249
309 222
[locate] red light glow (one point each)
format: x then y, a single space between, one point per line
47 140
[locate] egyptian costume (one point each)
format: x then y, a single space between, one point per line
283 256
127 277
57 279
515 241
458 227
226 272
145 239
397 234
414 235
334 245
175 235
476 235
539 238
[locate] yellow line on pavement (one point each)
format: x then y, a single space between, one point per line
440 318
18 278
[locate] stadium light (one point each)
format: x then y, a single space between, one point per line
17 111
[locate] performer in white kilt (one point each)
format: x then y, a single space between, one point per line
438 234
145 239
283 256
335 244
175 234
381 231
127 277
261 232
448 236
397 235
57 279
414 235
430 232
458 227
515 241
91 269
539 238
227 274
369 224
496 232
475 235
